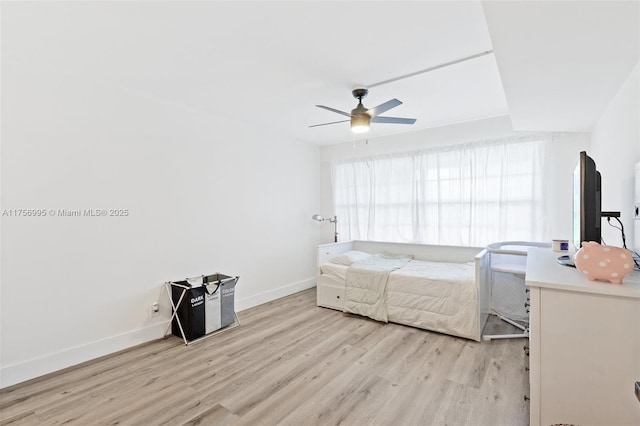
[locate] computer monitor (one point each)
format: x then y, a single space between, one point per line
587 207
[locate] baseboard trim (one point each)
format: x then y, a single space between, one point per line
36 367
276 293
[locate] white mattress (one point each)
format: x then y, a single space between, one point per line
436 296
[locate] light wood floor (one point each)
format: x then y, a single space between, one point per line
290 363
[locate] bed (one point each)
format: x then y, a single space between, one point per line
439 288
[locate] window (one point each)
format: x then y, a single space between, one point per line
473 194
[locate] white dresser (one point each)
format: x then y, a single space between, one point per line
584 345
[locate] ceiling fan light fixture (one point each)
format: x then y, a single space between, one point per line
360 123
361 117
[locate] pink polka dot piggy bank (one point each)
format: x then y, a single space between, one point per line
603 263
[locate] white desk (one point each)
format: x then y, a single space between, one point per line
584 345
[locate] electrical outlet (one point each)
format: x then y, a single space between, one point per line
155 307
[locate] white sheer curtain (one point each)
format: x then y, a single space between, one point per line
472 194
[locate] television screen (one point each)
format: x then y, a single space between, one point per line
586 201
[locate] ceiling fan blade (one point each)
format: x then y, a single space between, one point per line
393 120
334 110
333 122
383 107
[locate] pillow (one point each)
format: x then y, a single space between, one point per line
396 256
348 257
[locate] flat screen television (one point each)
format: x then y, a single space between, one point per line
587 207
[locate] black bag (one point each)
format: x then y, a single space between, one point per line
190 310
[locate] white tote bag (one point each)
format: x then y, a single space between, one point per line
212 312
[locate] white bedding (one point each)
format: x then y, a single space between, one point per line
366 286
334 270
438 296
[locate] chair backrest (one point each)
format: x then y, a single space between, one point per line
511 256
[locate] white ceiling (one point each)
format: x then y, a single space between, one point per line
269 63
562 62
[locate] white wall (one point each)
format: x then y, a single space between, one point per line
615 147
204 193
561 160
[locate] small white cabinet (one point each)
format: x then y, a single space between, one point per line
584 345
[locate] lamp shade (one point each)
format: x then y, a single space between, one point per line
360 123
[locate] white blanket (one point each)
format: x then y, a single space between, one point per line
366 286
435 296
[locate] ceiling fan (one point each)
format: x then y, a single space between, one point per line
361 117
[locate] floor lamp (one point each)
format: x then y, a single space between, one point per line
333 220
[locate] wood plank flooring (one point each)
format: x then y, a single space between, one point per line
290 363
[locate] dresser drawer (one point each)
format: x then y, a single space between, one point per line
330 296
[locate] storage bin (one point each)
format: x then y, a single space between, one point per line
202 305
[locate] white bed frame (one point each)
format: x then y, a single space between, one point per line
330 293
